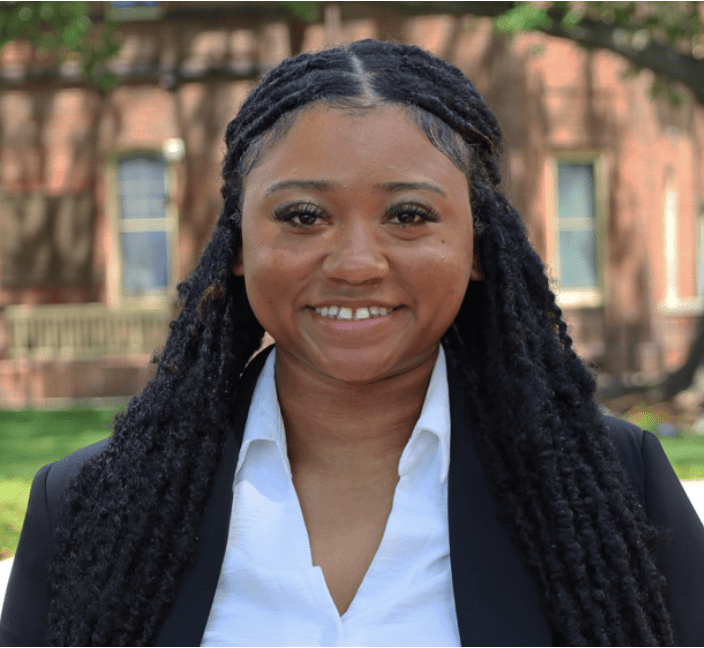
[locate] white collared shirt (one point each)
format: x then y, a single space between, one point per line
270 593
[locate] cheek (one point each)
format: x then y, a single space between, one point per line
272 280
442 283
449 268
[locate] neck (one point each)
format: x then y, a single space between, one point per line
352 435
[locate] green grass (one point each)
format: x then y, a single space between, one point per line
30 439
14 494
686 454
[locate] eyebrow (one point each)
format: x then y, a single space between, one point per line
325 185
405 186
318 185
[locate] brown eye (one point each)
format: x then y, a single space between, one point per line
300 214
408 215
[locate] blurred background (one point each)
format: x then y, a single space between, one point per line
111 123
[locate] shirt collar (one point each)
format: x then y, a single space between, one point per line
265 422
434 418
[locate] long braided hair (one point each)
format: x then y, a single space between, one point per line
134 512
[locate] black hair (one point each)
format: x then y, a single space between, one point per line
133 514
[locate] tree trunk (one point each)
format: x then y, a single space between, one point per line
683 377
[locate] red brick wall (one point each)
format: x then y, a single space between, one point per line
549 95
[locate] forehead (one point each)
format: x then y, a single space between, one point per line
349 146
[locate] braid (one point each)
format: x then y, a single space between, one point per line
133 513
556 474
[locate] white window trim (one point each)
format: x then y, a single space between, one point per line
115 297
699 250
683 306
670 242
577 297
673 303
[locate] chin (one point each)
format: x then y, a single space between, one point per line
364 368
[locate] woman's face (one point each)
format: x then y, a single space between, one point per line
357 243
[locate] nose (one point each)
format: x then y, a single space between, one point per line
356 256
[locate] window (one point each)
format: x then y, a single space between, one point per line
699 252
128 11
670 219
576 225
574 246
682 250
144 230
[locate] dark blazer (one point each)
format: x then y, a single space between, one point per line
496 599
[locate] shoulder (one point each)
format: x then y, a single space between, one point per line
61 472
640 453
58 475
28 592
650 472
627 438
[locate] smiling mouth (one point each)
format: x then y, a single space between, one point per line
353 314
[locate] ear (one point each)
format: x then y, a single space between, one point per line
238 267
477 274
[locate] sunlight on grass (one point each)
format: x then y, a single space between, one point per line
30 439
14 494
689 471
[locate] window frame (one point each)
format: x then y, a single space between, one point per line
135 13
699 253
577 297
117 298
672 301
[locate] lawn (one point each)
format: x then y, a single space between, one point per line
686 454
30 439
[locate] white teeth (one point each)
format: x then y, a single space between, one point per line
344 313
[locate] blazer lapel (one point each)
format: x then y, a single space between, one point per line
186 621
496 599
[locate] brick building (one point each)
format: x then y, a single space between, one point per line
106 201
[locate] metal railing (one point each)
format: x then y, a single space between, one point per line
81 331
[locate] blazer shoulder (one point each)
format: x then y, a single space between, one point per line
28 594
629 440
625 435
60 473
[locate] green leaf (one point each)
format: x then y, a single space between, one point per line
307 11
107 81
571 19
523 17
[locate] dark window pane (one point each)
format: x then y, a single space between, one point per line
577 260
142 188
126 4
576 226
144 262
575 191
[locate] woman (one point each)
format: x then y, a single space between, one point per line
420 459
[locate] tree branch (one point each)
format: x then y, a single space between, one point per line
642 51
